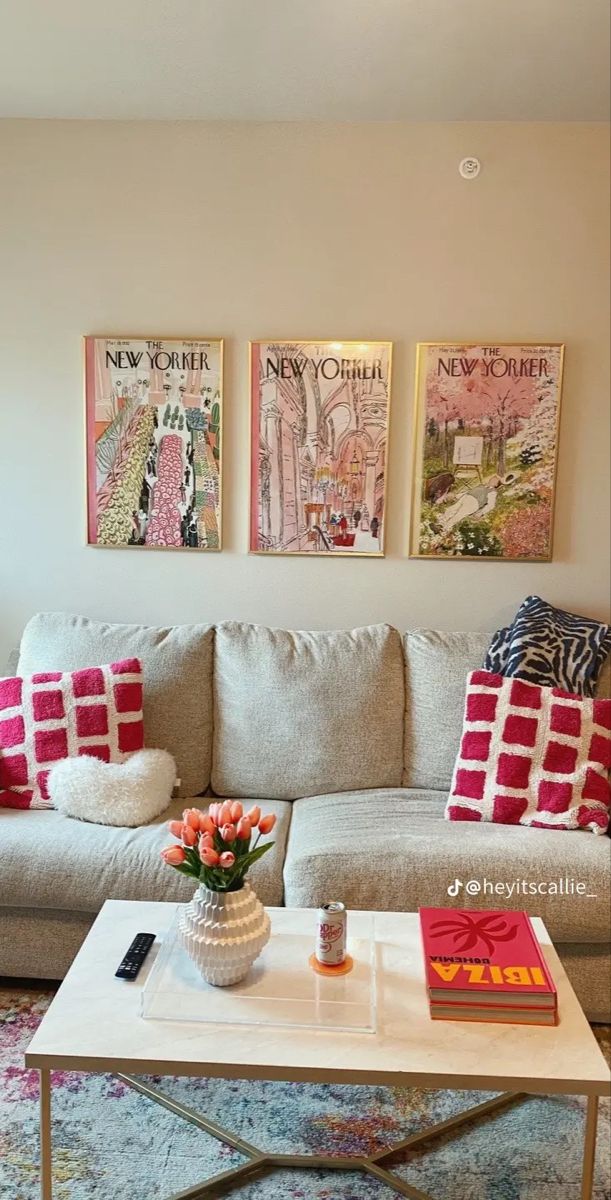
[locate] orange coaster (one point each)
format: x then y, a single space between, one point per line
322 968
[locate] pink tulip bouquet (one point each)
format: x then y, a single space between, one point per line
218 847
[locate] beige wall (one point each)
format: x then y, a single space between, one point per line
339 231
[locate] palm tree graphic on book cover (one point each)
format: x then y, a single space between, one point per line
471 952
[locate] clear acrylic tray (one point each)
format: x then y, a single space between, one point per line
280 989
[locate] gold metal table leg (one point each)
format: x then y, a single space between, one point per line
448 1126
261 1162
589 1149
46 1183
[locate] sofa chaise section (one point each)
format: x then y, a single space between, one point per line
393 849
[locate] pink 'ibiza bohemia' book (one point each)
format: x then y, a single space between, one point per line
485 963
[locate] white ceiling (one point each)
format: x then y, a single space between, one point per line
306 59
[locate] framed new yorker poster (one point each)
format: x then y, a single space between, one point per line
319 436
154 410
485 450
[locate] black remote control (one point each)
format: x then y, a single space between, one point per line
130 965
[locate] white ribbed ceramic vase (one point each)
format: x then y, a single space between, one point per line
224 932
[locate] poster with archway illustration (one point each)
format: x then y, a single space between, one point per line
485 450
319 434
154 417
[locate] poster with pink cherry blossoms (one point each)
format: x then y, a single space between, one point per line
486 446
154 451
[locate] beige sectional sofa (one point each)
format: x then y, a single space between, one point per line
349 737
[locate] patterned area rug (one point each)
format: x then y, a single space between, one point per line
110 1143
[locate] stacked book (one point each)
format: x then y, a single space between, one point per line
486 966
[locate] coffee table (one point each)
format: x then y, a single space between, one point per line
94 1025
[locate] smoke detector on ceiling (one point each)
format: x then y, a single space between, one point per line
470 167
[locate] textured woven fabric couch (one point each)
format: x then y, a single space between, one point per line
330 730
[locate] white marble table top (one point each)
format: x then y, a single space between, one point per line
94 1024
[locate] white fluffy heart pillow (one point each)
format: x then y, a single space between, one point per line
128 793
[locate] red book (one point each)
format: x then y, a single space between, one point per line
482 961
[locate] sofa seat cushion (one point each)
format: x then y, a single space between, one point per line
298 714
177 669
50 861
392 850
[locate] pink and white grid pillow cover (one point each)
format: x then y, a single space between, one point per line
532 755
54 715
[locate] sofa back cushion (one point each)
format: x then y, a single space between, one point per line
602 691
300 714
436 669
177 671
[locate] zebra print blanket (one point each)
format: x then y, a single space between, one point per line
553 648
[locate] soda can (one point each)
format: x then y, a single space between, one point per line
331 934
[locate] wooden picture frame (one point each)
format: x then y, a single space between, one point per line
319 440
485 441
154 412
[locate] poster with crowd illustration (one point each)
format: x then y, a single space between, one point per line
154 412
486 443
319 435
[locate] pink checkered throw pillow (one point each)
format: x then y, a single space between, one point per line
53 715
532 755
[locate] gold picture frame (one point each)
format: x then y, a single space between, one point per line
141 389
319 429
485 450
